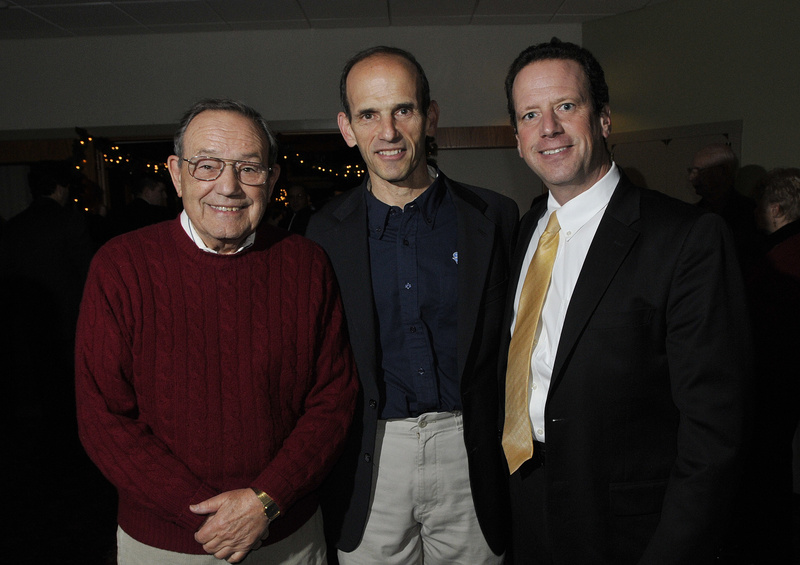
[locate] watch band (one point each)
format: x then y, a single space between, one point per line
271 510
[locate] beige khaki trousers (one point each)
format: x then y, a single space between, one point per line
421 511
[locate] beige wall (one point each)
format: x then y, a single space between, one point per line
688 62
290 76
142 84
676 64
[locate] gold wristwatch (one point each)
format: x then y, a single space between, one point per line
271 510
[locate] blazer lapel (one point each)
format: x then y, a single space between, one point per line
351 246
611 244
476 235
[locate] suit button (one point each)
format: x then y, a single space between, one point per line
367 457
373 404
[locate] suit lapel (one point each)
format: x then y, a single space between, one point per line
351 246
610 246
476 235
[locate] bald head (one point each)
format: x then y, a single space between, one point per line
713 171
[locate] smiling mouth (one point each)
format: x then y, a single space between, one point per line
553 151
390 152
227 208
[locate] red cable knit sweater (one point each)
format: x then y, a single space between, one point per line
199 373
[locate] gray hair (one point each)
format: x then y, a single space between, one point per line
781 187
227 105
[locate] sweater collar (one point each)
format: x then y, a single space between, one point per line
190 230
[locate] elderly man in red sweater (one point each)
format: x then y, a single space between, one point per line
215 383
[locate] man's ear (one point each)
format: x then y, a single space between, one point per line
174 165
272 179
432 119
346 130
605 121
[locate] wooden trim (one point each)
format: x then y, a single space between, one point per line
482 137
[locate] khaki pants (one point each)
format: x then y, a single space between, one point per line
305 546
421 509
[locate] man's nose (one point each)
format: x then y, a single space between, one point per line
550 124
388 130
228 182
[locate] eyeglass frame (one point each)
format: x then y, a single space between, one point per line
222 170
701 170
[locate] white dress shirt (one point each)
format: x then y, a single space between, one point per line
578 219
190 230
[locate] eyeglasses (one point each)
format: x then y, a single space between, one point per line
698 170
210 168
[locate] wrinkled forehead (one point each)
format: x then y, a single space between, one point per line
214 132
553 75
380 72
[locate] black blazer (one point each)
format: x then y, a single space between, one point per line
645 412
486 224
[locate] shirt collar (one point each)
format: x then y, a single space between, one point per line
573 215
190 230
426 203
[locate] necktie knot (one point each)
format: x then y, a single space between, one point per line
553 227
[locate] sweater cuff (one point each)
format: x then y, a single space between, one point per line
189 519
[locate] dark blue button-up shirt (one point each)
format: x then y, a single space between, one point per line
414 263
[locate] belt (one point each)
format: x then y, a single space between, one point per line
536 462
539 453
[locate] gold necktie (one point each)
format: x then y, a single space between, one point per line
517 433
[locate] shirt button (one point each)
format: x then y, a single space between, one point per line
367 457
413 329
405 242
408 286
421 371
534 386
539 432
373 403
423 424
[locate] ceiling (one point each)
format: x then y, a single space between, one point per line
23 19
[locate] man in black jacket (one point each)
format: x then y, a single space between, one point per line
422 262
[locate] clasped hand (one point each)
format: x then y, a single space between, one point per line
235 525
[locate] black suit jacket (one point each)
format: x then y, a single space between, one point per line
645 412
486 224
297 222
140 213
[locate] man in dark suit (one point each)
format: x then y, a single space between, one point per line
712 174
149 204
627 446
422 262
299 212
44 257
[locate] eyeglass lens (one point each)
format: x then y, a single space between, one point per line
210 168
